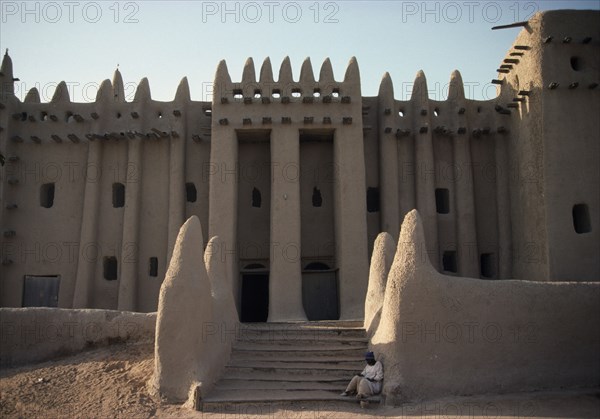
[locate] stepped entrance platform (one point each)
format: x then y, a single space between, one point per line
290 363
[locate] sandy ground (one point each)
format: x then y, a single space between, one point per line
111 383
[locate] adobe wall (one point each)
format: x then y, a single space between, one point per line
37 334
152 148
571 146
444 336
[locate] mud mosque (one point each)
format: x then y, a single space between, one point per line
298 175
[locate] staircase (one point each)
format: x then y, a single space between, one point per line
290 362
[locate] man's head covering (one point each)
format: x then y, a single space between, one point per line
369 355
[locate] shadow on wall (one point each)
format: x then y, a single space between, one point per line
439 335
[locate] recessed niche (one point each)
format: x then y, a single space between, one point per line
109 265
487 265
581 219
153 266
449 261
190 192
442 201
317 199
372 199
47 195
256 198
118 195
576 63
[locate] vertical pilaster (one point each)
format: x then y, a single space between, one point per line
351 236
285 281
223 197
503 200
466 234
131 229
388 155
176 190
425 168
86 264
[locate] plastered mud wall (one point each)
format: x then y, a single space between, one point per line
38 334
443 336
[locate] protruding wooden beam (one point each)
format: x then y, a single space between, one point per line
511 25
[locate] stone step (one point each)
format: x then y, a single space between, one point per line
293 331
299 345
290 363
304 365
354 356
299 371
252 384
219 396
249 374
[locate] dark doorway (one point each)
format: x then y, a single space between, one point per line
255 297
320 292
41 291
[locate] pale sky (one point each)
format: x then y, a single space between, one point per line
82 42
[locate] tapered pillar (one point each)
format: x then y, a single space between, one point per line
223 197
388 156
86 264
425 168
176 190
285 278
466 234
131 230
503 200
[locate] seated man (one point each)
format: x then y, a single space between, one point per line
368 382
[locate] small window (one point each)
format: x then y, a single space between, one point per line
372 199
257 94
238 94
44 116
401 113
317 199
118 195
335 92
576 63
276 93
47 195
153 267
296 92
581 219
110 268
436 112
442 201
190 192
487 265
256 198
316 93
449 261
159 115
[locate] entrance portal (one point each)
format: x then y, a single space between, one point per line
255 297
41 291
320 292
